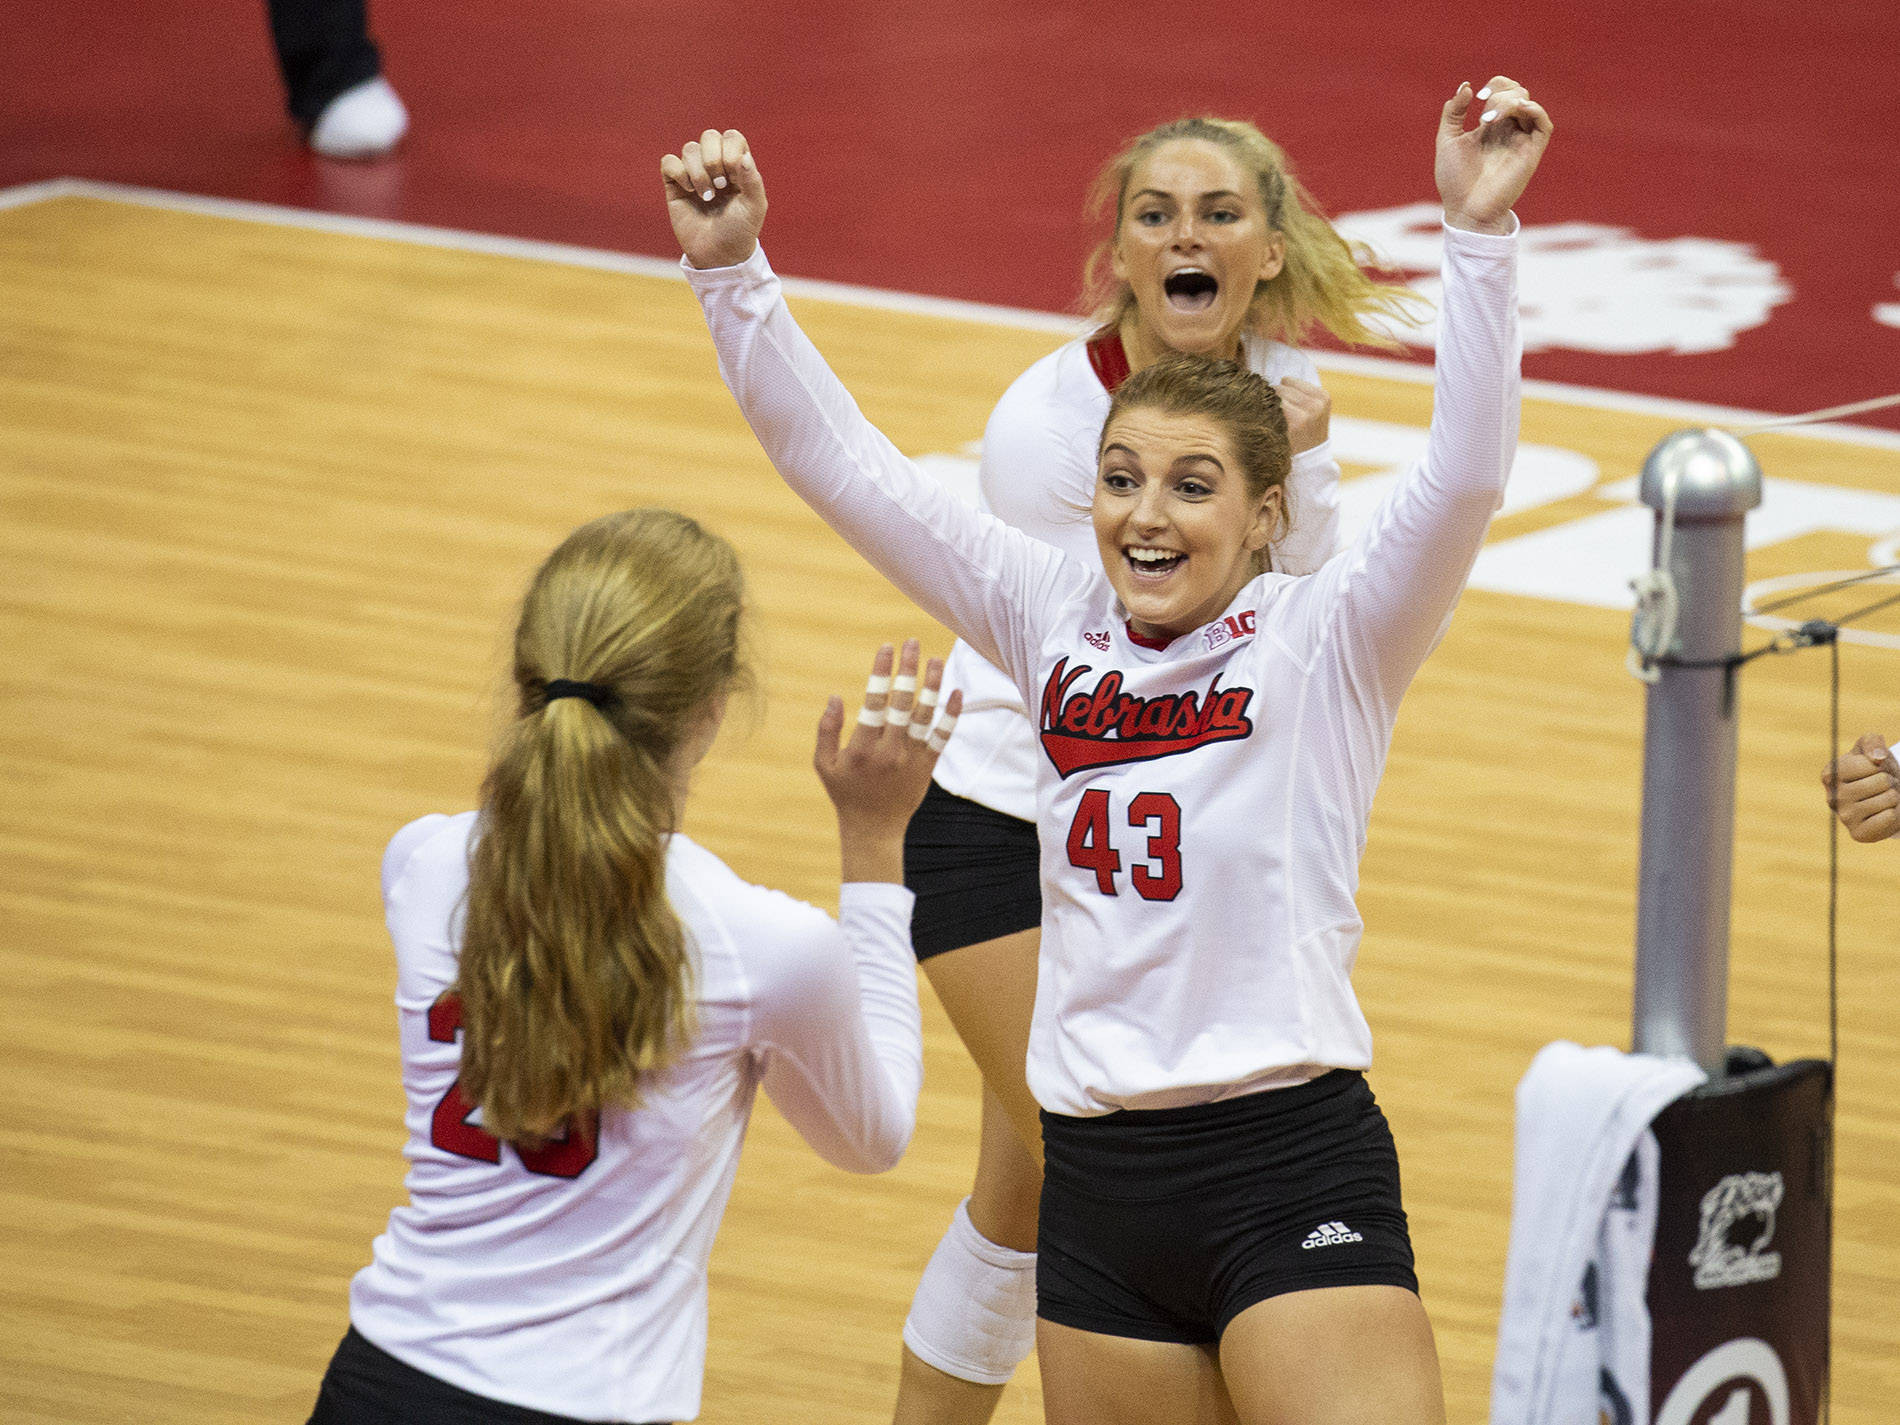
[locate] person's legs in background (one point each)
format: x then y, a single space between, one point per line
333 76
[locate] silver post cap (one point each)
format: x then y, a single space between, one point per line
1718 476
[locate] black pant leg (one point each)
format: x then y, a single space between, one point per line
323 48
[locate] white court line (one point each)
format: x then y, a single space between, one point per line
20 196
572 255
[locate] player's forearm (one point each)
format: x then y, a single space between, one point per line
870 856
1475 394
1410 564
875 919
1312 498
965 568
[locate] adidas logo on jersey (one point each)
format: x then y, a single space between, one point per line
1329 1234
1097 641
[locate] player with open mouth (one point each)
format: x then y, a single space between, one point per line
1220 1221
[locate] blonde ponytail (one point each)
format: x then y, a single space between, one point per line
1323 284
574 975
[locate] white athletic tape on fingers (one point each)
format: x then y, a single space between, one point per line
920 723
894 716
877 685
940 734
870 717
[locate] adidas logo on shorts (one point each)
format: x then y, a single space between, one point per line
1329 1234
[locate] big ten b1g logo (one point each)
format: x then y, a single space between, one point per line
1226 630
1740 1382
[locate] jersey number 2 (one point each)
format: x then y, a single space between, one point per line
1092 848
450 1130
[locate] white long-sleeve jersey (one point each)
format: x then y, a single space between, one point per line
572 1279
1202 806
1038 473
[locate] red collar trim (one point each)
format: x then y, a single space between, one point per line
1142 640
1109 358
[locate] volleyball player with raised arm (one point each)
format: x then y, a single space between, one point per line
1216 248
1221 1199
588 1001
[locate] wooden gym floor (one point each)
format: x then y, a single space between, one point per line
269 497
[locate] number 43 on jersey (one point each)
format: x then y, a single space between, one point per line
1092 843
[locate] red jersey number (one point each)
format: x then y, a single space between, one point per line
450 1130
1091 846
1160 815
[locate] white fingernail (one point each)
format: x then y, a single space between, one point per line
719 183
707 195
1485 93
1489 115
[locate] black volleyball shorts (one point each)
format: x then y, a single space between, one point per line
365 1385
974 872
1166 1224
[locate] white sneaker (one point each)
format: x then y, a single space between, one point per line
364 122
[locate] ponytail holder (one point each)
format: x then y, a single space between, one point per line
599 695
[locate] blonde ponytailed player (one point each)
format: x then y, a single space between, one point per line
587 1001
1213 248
1220 1226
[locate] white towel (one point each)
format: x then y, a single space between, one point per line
1581 1116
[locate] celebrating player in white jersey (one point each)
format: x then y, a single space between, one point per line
1214 248
1220 1203
588 1001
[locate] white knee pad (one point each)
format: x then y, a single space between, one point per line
974 1315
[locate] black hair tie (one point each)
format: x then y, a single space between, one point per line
598 694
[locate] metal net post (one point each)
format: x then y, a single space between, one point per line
1701 483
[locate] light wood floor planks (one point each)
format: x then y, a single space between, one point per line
269 495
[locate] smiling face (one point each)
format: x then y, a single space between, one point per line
1193 242
1177 529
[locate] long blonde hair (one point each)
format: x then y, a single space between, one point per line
574 975
1323 284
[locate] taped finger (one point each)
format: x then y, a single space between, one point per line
940 734
920 719
902 688
877 690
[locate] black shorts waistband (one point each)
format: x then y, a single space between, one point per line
365 1385
1139 1153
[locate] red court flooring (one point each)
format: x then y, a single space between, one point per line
1716 223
